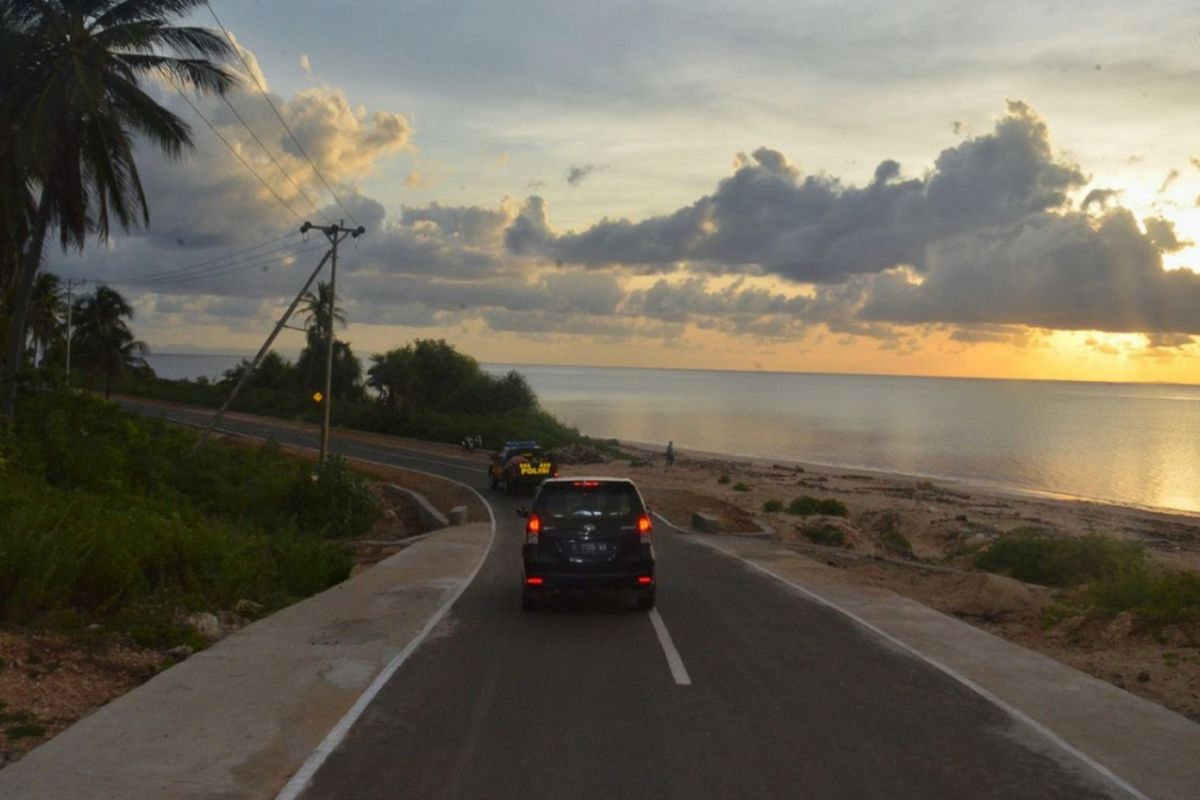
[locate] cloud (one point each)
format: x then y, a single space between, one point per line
1169 341
769 217
1100 198
1065 272
576 174
1171 177
1161 233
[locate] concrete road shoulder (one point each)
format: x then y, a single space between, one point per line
1147 750
237 720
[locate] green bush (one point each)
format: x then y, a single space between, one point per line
103 517
896 542
740 487
335 501
1162 598
27 730
827 535
724 479
1030 555
772 506
807 506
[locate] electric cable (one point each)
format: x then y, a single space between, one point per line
233 150
278 115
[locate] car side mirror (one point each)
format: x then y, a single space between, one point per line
523 512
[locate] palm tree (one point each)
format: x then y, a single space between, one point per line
72 105
46 324
103 339
315 308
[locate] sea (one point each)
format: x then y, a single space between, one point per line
1131 444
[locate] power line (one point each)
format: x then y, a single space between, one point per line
271 156
227 257
233 150
278 115
213 272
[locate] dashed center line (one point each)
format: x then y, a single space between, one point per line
678 670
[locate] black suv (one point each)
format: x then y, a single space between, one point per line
588 534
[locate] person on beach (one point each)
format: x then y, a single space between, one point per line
670 452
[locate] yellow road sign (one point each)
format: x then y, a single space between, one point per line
318 397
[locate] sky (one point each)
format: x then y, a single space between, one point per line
931 188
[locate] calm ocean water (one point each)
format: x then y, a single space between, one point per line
1126 443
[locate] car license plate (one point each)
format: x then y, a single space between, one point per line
591 548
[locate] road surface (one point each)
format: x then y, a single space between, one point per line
736 686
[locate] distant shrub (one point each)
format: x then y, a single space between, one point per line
740 487
896 542
807 506
27 730
828 535
772 506
724 479
1030 555
1165 598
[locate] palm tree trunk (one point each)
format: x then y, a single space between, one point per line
109 372
31 260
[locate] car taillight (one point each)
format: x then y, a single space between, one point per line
533 526
644 526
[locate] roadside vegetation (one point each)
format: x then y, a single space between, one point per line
807 506
1102 576
105 520
424 390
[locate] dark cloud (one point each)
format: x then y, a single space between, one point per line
1169 341
1099 198
1066 272
576 174
988 334
1161 233
815 229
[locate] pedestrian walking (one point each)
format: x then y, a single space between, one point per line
670 453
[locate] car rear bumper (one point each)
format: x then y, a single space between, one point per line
558 580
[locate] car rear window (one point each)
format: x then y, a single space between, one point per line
589 500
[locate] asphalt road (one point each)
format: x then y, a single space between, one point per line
781 697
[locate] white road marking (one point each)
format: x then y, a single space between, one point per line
678 670
308 769
1012 711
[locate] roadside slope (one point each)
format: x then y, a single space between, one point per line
237 720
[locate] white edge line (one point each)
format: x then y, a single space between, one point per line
1012 711
678 670
299 782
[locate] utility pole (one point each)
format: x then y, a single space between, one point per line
335 234
71 284
262 352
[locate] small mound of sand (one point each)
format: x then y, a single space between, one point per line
995 598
